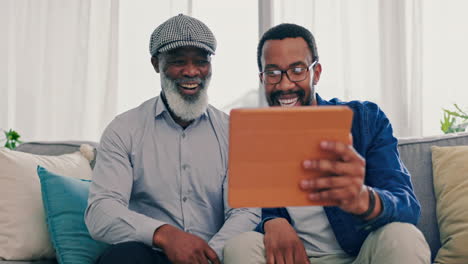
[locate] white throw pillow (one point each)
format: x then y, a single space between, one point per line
23 229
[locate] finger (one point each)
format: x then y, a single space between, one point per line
279 258
212 256
338 194
345 151
201 258
300 257
289 257
270 257
196 259
335 167
317 184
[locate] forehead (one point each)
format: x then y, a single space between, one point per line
285 52
186 51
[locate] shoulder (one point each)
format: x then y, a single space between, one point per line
218 114
220 123
135 116
126 123
358 106
138 113
370 123
366 112
218 118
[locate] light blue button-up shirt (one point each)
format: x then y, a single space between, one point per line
150 172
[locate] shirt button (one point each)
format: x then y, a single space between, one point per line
183 135
184 199
185 166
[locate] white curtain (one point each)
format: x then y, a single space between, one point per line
368 50
409 56
58 67
69 67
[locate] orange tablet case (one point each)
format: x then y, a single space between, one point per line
267 147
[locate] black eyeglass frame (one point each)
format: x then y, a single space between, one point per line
262 74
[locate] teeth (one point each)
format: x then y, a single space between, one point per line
288 102
189 86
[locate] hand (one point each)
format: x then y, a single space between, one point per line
345 183
282 245
183 248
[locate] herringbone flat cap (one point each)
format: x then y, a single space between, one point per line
180 31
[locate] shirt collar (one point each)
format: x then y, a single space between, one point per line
321 101
161 107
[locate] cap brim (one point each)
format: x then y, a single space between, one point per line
185 43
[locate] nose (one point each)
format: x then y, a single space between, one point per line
285 84
191 70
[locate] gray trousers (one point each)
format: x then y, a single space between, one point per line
394 243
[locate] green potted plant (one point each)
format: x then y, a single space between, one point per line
12 139
454 121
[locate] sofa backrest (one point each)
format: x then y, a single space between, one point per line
55 148
416 155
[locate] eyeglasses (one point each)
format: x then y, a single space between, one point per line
294 74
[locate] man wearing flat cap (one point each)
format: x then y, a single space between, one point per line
159 188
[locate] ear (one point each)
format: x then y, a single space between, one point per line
155 62
260 77
317 72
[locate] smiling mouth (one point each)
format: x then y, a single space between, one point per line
288 102
189 86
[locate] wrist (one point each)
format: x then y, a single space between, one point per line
274 221
364 201
367 203
161 235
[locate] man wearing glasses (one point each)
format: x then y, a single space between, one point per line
377 210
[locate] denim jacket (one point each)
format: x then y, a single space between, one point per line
373 139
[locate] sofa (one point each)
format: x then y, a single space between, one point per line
415 153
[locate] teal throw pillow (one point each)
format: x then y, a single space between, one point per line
65 200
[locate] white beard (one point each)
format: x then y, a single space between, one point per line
186 107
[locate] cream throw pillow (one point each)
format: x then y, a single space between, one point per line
450 166
23 230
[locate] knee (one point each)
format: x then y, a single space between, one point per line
398 234
243 244
403 239
243 241
123 253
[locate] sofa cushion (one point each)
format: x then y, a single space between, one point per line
65 200
23 230
416 155
450 166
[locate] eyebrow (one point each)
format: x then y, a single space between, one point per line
290 65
